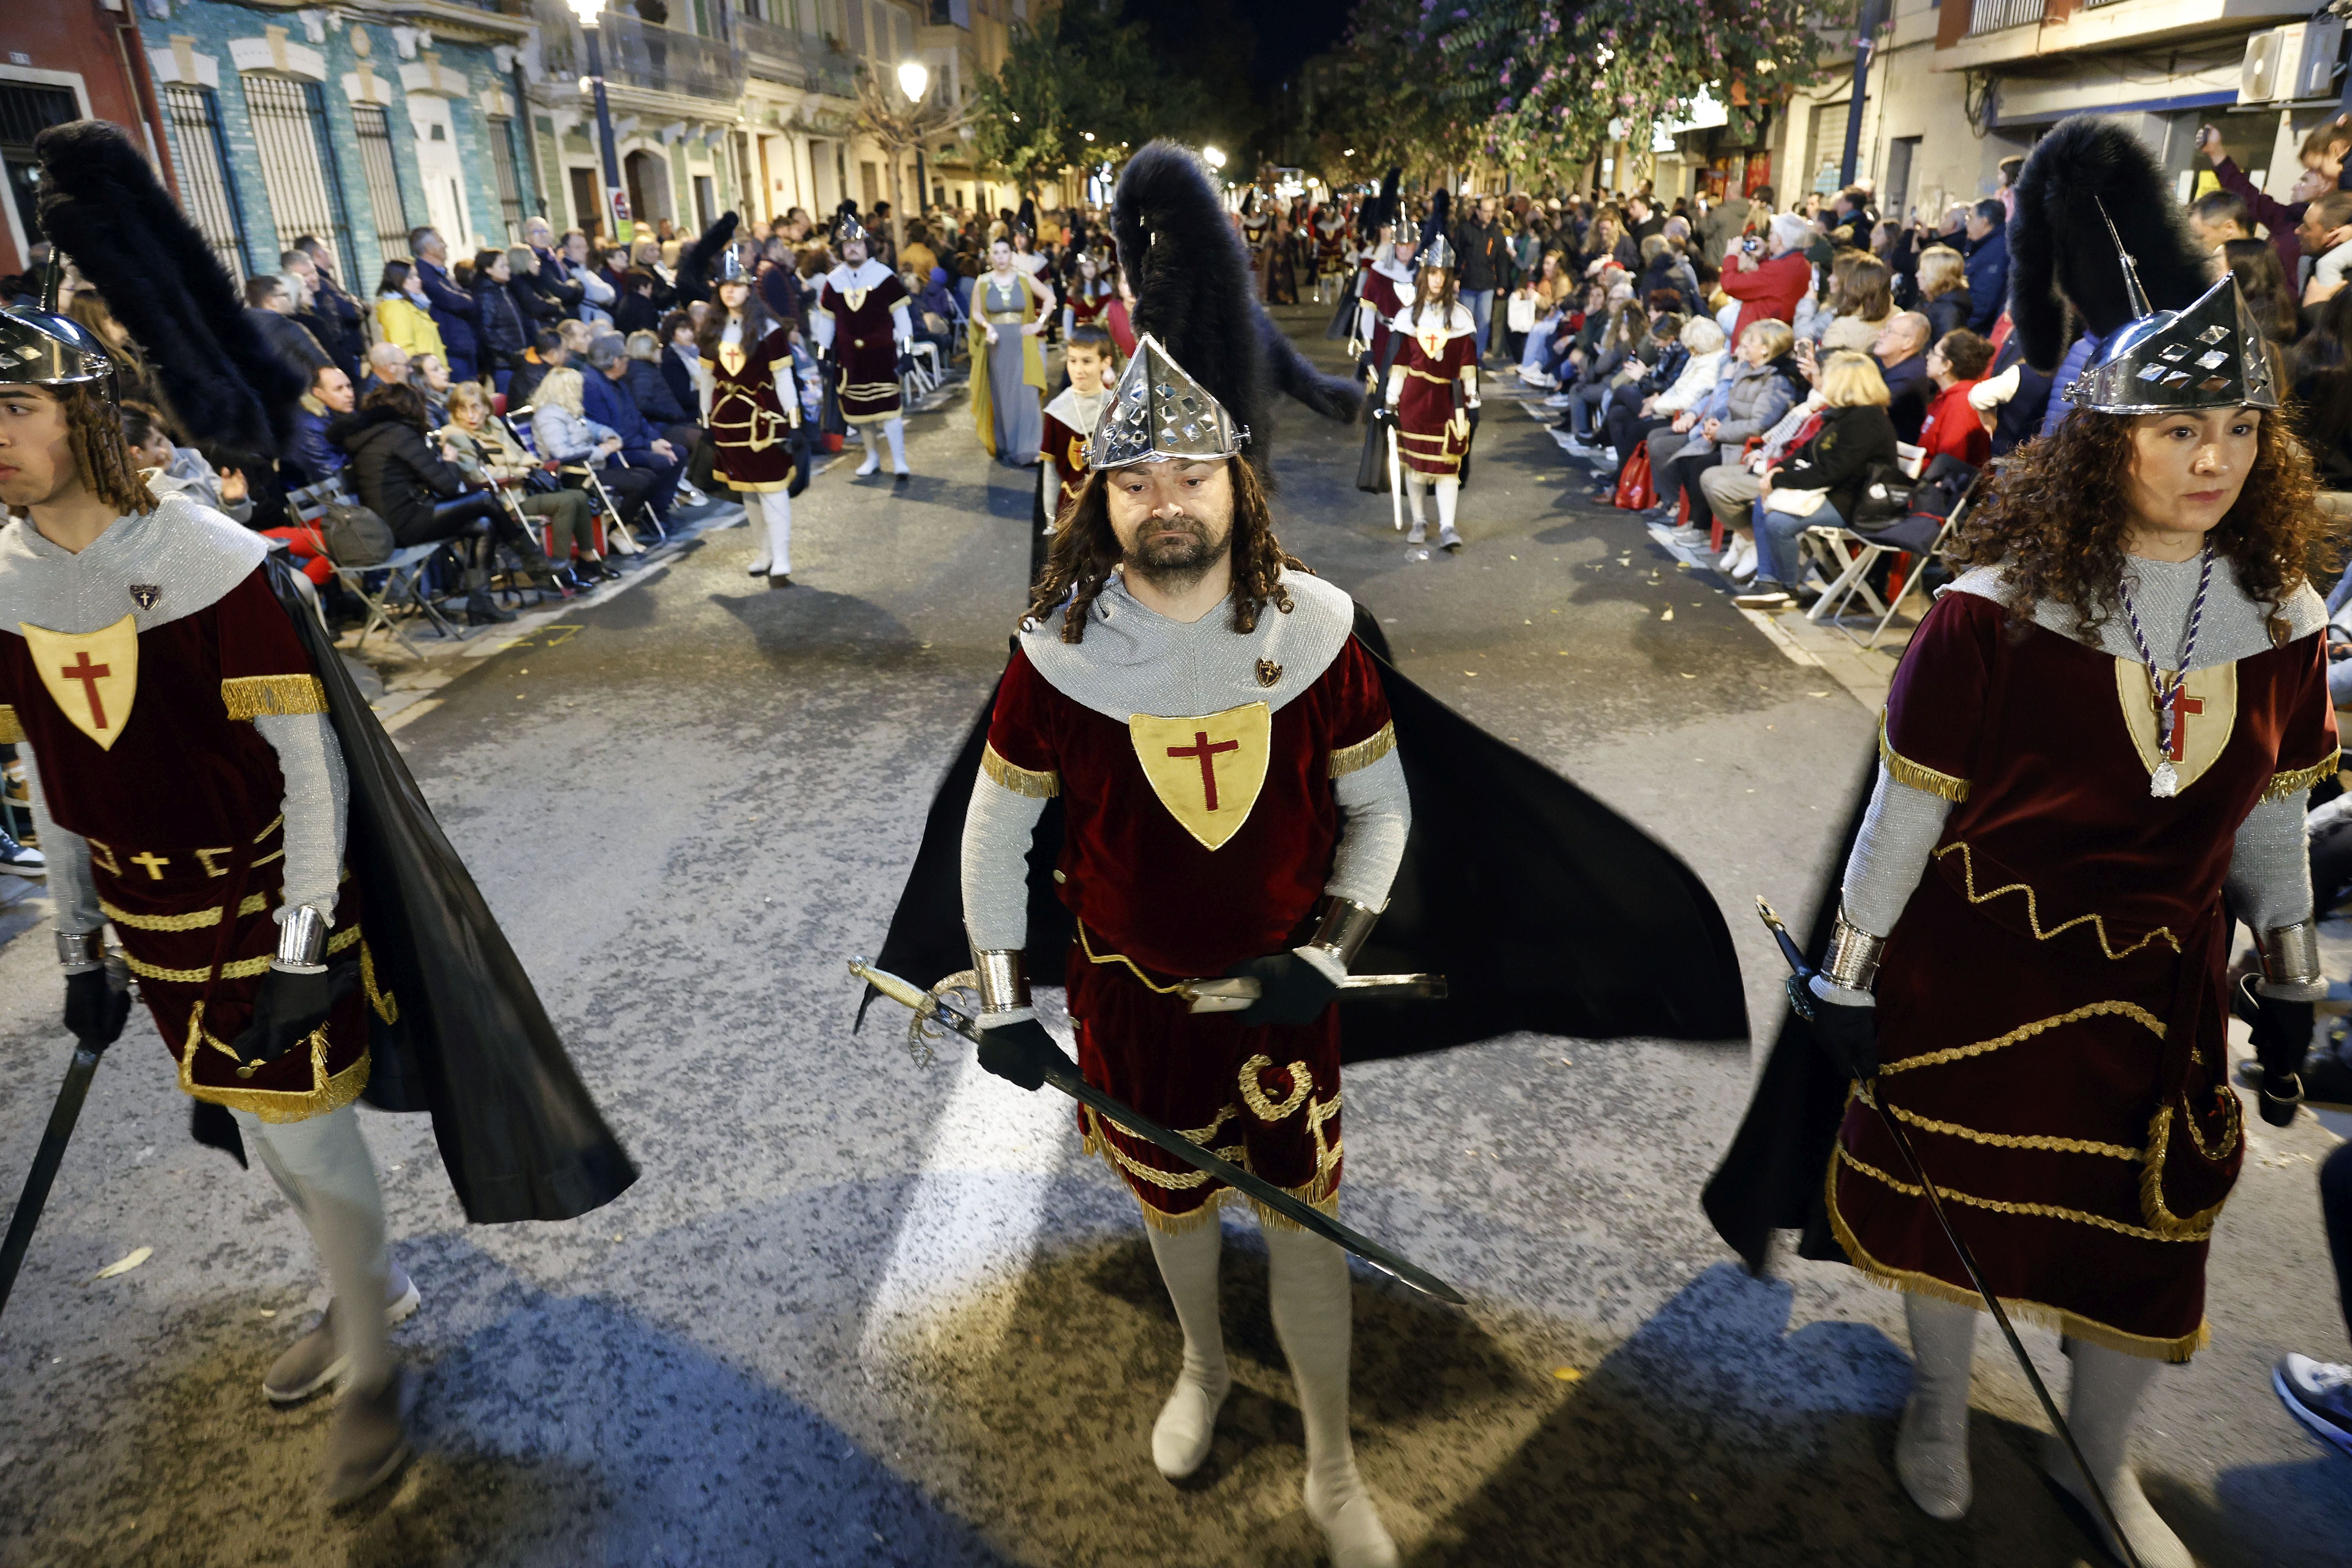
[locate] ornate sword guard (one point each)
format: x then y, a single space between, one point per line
924 1032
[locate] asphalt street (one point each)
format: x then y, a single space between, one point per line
858 1312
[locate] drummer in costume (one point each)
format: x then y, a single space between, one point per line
1207 733
864 330
188 733
751 407
2031 950
1432 393
1010 309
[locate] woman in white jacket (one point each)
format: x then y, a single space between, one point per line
1677 405
563 434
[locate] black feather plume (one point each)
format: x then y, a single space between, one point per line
1195 293
1381 210
1441 215
2083 174
103 206
694 267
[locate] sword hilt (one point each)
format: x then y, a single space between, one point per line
904 992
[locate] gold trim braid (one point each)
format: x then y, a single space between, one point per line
1346 760
2098 924
194 919
2030 1211
2042 1142
12 733
1179 989
1019 780
235 969
326 1092
2301 780
273 696
2132 1010
1917 775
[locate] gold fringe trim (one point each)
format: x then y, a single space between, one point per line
2033 912
2301 780
2072 1324
2152 1207
1322 1191
2132 1010
12 733
1019 780
273 696
2042 1142
1346 760
2030 1211
326 1092
195 920
1917 775
235 969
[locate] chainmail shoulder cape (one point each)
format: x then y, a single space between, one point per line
187 553
2235 625
1545 909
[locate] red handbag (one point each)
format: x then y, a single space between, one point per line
1635 490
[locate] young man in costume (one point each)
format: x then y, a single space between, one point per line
1432 396
1070 419
206 780
2059 806
864 330
1208 733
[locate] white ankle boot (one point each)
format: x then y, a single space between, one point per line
1931 1446
1188 1421
2100 1408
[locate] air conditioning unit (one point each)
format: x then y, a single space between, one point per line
2257 74
2315 71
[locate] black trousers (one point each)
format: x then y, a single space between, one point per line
479 515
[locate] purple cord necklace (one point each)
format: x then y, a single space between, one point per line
2164 781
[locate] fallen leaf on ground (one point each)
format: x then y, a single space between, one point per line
124 1264
1566 1373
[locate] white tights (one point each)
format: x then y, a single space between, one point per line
894 430
772 534
1449 498
323 1166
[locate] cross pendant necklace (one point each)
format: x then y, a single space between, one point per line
2164 780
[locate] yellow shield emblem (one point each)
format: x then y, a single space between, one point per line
1207 770
855 299
2202 724
92 678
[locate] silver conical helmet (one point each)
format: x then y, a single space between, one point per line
849 229
1157 412
42 347
2210 355
729 269
1436 253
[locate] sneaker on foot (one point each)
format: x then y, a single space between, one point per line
21 860
1558 400
1420 533
1449 539
1689 538
2326 1079
1765 595
312 1362
369 1441
2319 1394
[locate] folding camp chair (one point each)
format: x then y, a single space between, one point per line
1918 535
401 574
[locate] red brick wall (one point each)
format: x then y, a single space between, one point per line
76 36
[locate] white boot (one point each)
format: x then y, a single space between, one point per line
776 515
1449 499
1931 1446
2099 1409
755 519
894 430
873 463
1307 1289
1416 490
1188 1421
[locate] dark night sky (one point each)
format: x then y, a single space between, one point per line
1289 31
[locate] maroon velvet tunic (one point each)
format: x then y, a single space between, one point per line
749 426
1156 906
182 814
2051 1008
1434 362
1380 291
866 346
1066 450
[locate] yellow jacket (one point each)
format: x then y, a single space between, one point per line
404 322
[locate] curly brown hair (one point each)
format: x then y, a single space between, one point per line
94 434
1087 550
2055 517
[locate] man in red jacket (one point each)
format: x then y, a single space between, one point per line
1768 287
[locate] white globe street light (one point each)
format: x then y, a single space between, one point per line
1215 157
588 11
914 77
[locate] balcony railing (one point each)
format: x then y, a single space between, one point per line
638 54
1992 16
791 57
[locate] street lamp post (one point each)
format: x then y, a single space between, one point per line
902 123
616 200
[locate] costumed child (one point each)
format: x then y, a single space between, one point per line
1431 397
1070 421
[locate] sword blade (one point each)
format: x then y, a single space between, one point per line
1902 1141
1232 995
1396 484
1065 1077
45 1160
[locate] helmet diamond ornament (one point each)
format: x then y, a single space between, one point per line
44 348
1157 412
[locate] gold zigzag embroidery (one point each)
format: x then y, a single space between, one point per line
2132 1010
2097 923
2045 1142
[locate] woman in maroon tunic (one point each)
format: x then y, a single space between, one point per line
1432 393
753 409
2095 758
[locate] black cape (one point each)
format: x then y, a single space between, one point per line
1774 1173
1343 320
519 1134
1545 909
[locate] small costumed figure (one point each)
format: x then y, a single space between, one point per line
1330 228
1384 293
751 407
1090 295
1010 308
865 335
1199 764
2095 758
1373 214
207 779
1432 393
1070 420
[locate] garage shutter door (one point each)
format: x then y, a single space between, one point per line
1824 143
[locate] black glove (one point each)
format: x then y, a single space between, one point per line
1384 414
288 1006
96 1009
1847 1033
803 459
906 365
2281 1038
1471 412
1291 990
1020 1053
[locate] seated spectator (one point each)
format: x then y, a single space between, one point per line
2263 283
641 373
545 353
576 336
505 329
1749 397
330 396
1824 478
1668 418
636 311
565 434
681 363
413 486
2011 399
1861 301
1901 350
2319 234
485 453
607 402
1952 428
403 315
430 375
1943 290
2323 413
1732 489
1665 269
174 469
938 320
387 366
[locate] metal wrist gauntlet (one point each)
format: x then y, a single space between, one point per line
1344 929
303 943
1004 979
2290 953
82 950
1853 960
